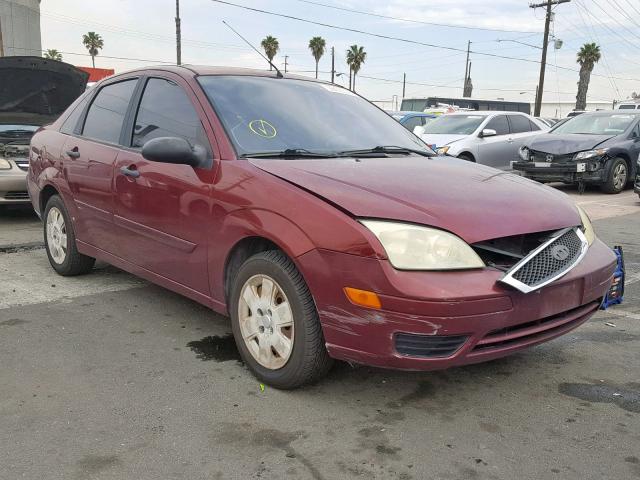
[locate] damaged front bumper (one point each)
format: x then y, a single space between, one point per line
435 320
588 171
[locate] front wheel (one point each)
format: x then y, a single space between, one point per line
275 323
617 176
60 241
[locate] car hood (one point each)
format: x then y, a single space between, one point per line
35 91
473 201
563 144
441 139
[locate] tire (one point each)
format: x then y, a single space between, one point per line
615 169
60 241
307 359
467 156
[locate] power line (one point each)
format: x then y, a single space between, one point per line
388 37
408 20
615 21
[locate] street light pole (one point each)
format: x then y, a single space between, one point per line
543 61
178 35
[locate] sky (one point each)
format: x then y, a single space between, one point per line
142 32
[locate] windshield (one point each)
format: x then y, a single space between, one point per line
18 128
614 124
265 114
454 124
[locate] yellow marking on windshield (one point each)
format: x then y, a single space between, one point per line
263 128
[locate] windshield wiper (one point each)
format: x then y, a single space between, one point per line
387 149
289 153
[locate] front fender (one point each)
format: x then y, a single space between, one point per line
252 222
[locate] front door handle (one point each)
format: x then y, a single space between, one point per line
73 153
130 172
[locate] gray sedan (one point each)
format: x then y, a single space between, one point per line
490 138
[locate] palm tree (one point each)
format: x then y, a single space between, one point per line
53 54
93 42
355 58
317 45
588 56
270 46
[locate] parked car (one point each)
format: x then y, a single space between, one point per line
629 105
332 235
575 113
598 148
411 120
490 138
549 122
636 185
34 92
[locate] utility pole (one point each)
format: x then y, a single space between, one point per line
333 64
404 84
286 57
543 61
466 64
178 40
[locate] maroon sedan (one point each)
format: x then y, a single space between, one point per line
321 226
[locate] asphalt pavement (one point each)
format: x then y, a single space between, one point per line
108 377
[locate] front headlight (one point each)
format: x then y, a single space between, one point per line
4 164
442 150
524 153
412 247
587 227
590 154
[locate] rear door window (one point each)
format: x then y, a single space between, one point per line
500 124
519 124
107 111
166 111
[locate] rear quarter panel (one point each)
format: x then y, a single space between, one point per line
45 166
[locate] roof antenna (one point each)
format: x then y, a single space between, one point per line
278 72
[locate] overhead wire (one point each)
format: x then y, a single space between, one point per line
387 37
409 20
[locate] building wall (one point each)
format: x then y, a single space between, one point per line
20 28
560 110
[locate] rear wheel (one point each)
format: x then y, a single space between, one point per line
275 322
60 241
617 176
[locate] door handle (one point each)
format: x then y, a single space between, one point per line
73 153
130 172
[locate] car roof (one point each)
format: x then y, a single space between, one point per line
196 70
608 113
484 113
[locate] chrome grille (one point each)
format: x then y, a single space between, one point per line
548 262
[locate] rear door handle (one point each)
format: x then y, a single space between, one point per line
73 153
129 172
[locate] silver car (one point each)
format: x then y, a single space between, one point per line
34 91
490 138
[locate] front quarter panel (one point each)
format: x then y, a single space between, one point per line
249 202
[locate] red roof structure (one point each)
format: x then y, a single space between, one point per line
96 74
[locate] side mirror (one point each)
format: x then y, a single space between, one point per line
174 150
418 130
488 132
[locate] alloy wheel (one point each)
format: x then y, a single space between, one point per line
266 321
56 235
620 176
